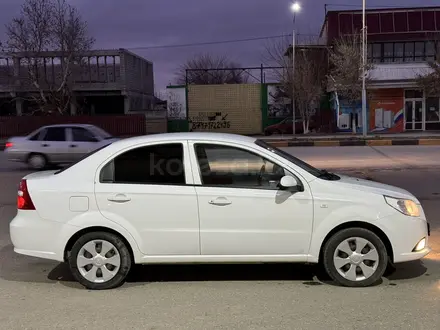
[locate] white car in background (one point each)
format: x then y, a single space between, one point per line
212 198
56 145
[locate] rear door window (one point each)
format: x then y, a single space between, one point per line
55 134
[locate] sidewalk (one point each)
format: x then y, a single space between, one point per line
343 140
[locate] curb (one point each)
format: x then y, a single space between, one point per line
356 143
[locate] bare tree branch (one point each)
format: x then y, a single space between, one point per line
305 85
45 25
201 75
347 70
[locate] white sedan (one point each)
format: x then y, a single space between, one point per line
212 198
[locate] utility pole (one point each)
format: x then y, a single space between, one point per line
364 58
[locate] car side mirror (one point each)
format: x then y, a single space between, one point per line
288 182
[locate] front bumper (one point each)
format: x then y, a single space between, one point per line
404 234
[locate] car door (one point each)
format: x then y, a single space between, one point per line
53 143
148 189
81 142
241 209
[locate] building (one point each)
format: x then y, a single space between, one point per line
107 82
400 44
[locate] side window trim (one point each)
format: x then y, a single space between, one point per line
189 181
197 170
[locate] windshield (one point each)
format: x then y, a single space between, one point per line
100 132
298 162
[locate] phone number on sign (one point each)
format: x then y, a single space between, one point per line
211 125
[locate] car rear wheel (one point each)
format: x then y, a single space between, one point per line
355 257
100 261
37 161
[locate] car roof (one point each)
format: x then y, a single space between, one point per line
214 137
68 125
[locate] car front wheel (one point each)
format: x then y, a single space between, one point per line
355 257
100 261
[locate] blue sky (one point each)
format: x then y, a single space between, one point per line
138 23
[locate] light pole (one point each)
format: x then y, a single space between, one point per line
364 58
295 7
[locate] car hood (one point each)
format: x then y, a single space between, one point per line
374 187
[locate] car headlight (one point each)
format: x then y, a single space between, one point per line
405 206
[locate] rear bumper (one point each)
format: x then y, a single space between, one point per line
36 237
16 156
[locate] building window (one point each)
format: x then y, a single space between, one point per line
430 51
377 53
401 51
388 52
409 52
419 51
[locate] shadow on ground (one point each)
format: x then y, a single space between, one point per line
18 268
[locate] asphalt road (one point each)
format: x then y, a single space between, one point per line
39 294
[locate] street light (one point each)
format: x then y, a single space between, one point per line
364 92
295 7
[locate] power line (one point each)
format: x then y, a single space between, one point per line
217 42
373 7
208 42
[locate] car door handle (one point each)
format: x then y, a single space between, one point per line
44 145
73 146
119 198
220 201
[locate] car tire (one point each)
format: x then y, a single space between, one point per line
91 272
37 161
352 268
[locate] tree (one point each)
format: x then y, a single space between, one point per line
48 25
347 70
430 79
306 85
197 71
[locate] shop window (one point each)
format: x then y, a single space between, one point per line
433 109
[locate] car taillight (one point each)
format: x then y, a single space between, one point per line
24 200
9 145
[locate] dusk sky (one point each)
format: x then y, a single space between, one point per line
133 24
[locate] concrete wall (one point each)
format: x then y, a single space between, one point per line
225 108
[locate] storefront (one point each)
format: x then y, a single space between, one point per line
391 110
